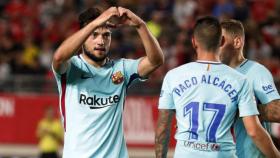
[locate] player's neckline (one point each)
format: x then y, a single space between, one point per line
243 62
94 67
208 62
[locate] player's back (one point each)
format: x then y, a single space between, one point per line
206 97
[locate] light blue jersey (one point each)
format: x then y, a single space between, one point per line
206 97
92 102
265 91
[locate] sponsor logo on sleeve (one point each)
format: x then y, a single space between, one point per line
268 88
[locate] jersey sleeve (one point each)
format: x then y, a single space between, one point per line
58 76
131 71
166 98
246 102
264 87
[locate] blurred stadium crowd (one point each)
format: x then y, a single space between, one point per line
31 30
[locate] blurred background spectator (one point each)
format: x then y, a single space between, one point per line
30 31
50 134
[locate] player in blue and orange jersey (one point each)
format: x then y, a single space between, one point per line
259 78
205 96
92 88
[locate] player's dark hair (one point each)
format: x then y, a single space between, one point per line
88 15
208 32
233 27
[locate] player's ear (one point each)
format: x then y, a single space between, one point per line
194 43
237 42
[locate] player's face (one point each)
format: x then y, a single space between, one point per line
227 49
97 45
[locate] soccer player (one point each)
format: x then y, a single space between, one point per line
205 96
92 88
259 78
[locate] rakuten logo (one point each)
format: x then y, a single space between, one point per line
96 102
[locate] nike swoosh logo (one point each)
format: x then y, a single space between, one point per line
85 77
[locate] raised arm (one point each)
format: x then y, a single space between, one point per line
260 137
69 47
270 112
154 56
163 132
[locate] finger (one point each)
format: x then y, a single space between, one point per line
117 11
122 11
114 8
124 18
114 11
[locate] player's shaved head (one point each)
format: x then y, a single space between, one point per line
208 33
233 27
88 15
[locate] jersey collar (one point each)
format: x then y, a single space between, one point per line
243 62
208 62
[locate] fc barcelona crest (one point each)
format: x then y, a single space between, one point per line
117 77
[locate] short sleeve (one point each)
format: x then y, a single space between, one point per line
246 101
68 66
65 68
166 98
264 87
56 74
131 71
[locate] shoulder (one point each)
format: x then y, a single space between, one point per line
117 60
76 60
76 64
183 68
123 61
233 72
257 68
255 71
